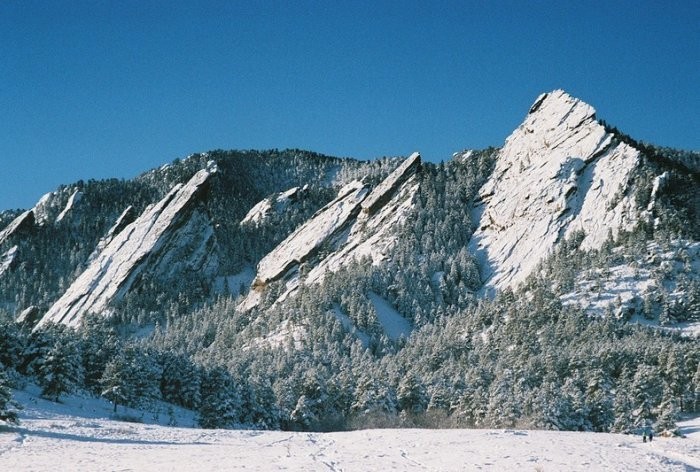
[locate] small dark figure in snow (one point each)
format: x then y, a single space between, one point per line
644 436
651 436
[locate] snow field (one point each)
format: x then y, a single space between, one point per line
78 435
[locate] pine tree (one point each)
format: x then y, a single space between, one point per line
8 407
117 382
220 404
61 370
668 412
411 395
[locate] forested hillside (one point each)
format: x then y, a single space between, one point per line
552 283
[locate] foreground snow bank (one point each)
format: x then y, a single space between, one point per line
78 435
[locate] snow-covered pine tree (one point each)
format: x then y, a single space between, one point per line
61 371
8 407
220 405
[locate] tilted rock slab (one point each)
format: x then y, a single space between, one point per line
560 171
167 238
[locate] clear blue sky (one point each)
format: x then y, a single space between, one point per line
95 89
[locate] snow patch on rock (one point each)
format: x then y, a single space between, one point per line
73 200
309 237
170 236
559 172
23 221
277 203
7 259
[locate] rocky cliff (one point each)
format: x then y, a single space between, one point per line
167 239
559 172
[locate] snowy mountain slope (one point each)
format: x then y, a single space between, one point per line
168 238
7 259
558 173
356 224
123 220
23 221
309 237
663 285
73 200
277 203
79 435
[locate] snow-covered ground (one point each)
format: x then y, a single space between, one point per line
623 287
78 435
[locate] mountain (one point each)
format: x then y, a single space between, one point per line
560 172
320 292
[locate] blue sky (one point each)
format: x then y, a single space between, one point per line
96 89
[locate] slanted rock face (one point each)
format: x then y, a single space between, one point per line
169 237
19 224
278 203
7 259
127 216
73 200
354 225
383 192
559 172
311 235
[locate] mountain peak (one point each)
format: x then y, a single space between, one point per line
559 172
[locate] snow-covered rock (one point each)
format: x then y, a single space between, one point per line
559 172
308 238
7 259
372 236
356 224
642 288
73 200
277 203
42 209
29 316
23 221
383 192
168 238
127 216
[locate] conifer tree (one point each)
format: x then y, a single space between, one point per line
8 407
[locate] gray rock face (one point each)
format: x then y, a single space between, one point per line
559 172
170 237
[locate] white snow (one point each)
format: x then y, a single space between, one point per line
372 236
72 201
118 225
277 203
258 213
559 172
384 190
287 332
147 240
349 326
7 259
79 435
23 219
622 288
42 207
312 234
394 324
232 284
